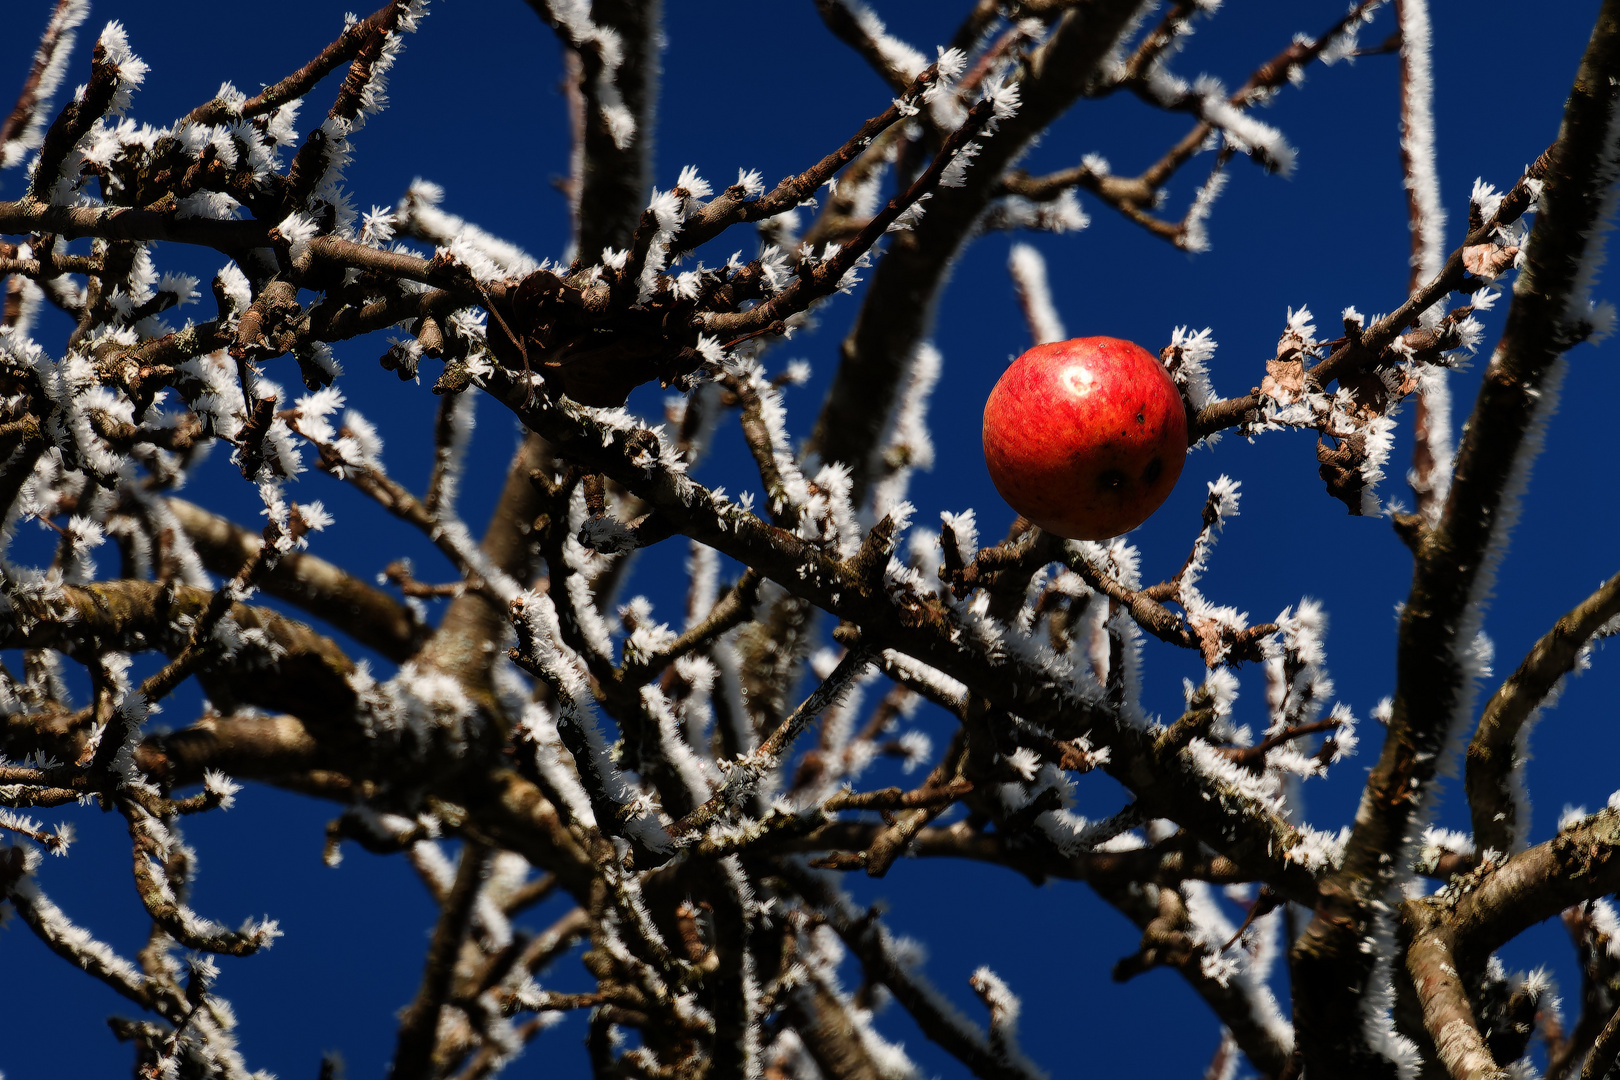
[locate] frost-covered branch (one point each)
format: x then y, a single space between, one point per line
745 773
1500 744
833 271
160 862
1137 196
419 1027
735 607
62 936
321 588
855 24
1455 563
1465 922
1028 269
886 961
358 34
613 86
1183 928
23 128
133 615
747 200
1431 427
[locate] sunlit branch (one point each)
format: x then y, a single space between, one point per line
1494 752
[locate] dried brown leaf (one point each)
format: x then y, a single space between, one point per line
1284 381
1488 260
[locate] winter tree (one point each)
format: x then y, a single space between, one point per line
655 749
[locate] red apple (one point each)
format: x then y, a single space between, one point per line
1085 437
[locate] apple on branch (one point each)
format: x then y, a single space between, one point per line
1085 437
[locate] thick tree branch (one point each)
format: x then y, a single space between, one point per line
1433 684
132 616
414 1050
1464 924
359 609
1493 754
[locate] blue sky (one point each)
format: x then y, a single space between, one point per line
475 107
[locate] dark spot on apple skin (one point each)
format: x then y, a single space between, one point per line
1140 419
1111 479
1151 474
